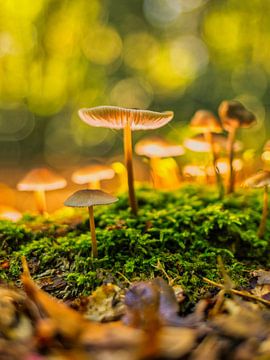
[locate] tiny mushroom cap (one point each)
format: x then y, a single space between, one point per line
199 144
93 173
87 198
233 114
155 147
41 179
9 213
115 117
259 180
205 121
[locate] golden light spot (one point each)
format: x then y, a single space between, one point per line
137 44
102 45
131 93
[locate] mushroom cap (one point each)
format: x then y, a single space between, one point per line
205 121
92 173
115 117
88 197
41 179
9 213
156 147
260 179
223 166
233 114
198 143
193 170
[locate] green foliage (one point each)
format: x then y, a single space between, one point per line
185 231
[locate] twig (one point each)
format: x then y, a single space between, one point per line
128 281
238 292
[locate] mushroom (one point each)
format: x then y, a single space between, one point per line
9 213
233 116
155 148
198 143
223 167
90 198
205 122
194 171
40 180
127 119
92 175
261 180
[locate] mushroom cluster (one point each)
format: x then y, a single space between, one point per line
210 138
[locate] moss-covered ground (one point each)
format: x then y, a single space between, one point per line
180 233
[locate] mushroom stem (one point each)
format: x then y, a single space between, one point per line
155 177
93 231
209 138
94 185
40 201
129 166
231 140
262 226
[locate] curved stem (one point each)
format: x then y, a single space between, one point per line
40 200
93 231
129 166
231 139
262 226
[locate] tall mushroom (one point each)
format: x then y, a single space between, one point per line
261 180
90 198
93 175
40 180
127 119
155 148
205 121
233 116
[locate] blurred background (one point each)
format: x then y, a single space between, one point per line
180 55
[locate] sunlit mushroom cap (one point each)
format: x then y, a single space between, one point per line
41 179
234 114
156 147
9 213
198 143
193 170
223 166
117 118
260 179
204 121
87 197
92 173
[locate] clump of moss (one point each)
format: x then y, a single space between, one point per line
184 230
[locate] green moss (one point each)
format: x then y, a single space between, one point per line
184 230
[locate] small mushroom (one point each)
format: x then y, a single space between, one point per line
9 213
206 122
194 171
129 120
40 180
198 143
261 180
90 198
223 167
155 148
93 175
233 116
